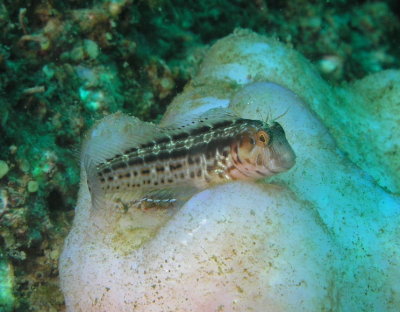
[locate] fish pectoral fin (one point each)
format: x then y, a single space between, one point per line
166 197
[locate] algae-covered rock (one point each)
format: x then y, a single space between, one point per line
6 284
321 237
3 168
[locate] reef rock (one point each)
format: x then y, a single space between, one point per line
321 237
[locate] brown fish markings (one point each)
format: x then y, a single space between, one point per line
161 164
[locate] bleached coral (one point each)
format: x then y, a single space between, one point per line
320 237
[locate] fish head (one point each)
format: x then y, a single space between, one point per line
266 151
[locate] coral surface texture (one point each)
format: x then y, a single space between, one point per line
321 237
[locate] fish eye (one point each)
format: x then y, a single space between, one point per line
262 138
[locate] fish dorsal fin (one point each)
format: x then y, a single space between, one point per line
190 121
118 132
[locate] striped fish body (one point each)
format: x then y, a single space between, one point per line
166 163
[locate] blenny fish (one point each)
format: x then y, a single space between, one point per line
148 163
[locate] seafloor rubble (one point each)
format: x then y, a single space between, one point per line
64 65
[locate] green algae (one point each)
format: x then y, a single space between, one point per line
6 284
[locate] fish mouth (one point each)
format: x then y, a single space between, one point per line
284 157
287 157
288 161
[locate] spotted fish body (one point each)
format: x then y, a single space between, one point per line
168 162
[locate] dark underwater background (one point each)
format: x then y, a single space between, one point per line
66 64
